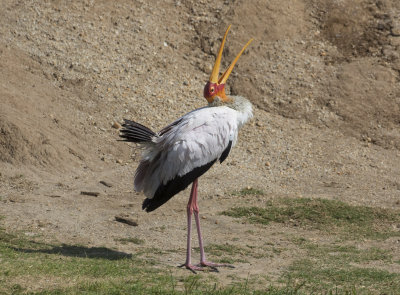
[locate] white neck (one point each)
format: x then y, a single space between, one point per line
239 104
243 107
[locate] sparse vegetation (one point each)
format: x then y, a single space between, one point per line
332 265
330 268
132 240
335 216
322 276
344 267
31 267
71 269
248 191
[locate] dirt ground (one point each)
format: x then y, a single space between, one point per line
323 77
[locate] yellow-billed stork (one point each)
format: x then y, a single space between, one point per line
180 153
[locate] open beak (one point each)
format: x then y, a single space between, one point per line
215 72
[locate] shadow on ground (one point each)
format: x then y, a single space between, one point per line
78 251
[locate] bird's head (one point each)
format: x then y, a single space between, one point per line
216 86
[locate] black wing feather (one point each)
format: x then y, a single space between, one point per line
225 153
174 186
135 132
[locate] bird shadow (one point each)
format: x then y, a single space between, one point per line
74 251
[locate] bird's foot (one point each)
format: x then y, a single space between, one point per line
214 266
203 264
191 267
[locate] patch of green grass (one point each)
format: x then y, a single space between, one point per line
151 251
26 266
192 287
342 255
132 240
228 253
227 249
325 276
33 267
327 266
324 215
248 191
71 269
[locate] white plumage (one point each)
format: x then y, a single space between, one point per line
194 140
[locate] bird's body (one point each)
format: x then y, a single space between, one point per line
181 152
184 150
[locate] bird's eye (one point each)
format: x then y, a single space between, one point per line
212 89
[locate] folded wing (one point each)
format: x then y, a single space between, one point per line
183 151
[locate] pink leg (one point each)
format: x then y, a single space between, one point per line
203 261
190 205
193 207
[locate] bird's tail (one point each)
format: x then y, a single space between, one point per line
135 132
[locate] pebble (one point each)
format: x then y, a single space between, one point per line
395 30
126 220
116 125
93 194
119 161
107 184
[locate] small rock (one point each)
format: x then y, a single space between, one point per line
268 164
391 54
93 194
119 161
116 125
395 30
126 220
394 41
105 183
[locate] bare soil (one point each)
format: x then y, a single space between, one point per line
323 77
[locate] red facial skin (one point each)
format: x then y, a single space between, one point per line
213 89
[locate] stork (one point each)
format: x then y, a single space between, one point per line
180 153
